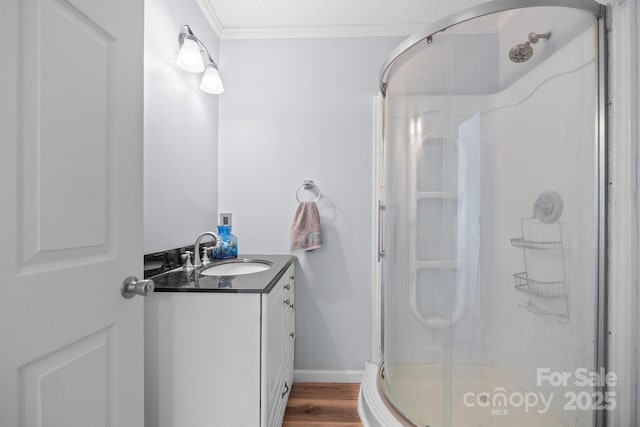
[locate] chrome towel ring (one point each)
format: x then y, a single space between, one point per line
309 186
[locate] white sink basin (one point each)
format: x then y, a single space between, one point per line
237 267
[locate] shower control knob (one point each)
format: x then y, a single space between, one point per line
131 287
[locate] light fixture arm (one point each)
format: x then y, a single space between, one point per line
186 32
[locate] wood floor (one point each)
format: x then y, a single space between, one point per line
323 405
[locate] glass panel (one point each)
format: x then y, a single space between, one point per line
491 226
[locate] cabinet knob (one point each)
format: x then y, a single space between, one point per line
287 302
292 277
286 389
287 286
292 335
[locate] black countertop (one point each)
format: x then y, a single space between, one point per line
179 280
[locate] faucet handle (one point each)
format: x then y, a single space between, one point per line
186 260
205 255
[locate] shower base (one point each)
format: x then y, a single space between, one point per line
420 388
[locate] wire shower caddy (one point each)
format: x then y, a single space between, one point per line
548 296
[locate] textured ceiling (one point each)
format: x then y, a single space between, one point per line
299 18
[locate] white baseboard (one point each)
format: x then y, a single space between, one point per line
326 376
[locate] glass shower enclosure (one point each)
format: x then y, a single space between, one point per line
493 220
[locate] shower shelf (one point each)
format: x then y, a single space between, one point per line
547 297
521 242
538 288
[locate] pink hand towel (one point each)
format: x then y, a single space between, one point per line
305 229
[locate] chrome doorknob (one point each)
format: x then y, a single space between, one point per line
131 287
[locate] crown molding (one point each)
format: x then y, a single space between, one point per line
302 32
211 16
402 30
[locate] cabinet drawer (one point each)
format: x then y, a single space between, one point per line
289 310
288 364
290 337
289 283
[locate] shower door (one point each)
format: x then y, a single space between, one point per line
492 195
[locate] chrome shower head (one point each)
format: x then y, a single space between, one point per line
523 52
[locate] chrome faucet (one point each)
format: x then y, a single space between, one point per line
196 249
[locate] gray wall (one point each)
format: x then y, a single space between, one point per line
298 109
180 131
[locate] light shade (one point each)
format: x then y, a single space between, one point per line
211 81
189 58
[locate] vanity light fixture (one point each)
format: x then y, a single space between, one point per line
190 59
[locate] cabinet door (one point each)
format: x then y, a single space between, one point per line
202 360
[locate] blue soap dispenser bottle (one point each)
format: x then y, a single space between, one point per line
227 247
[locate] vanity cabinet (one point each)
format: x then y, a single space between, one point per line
220 359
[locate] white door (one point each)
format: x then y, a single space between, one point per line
70 212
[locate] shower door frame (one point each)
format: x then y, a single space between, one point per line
599 11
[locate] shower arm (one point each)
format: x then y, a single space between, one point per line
535 37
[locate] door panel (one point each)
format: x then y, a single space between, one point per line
66 148
75 376
71 217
